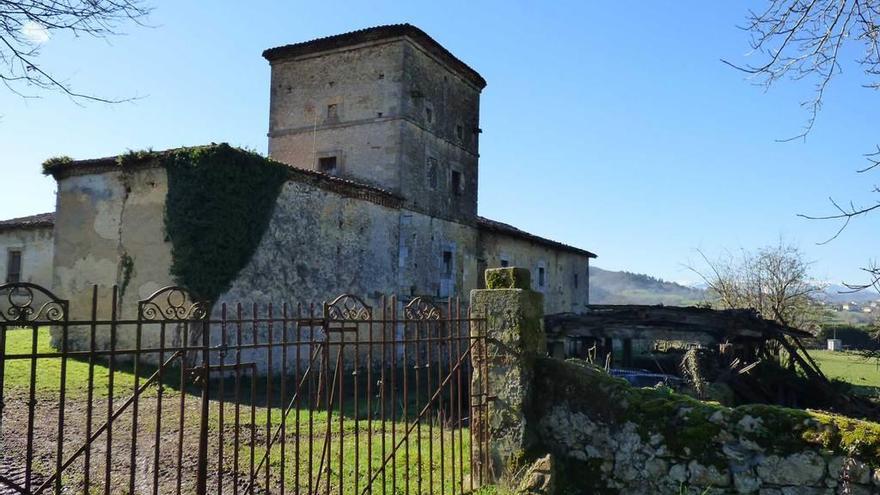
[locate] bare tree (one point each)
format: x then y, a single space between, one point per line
774 281
26 24
812 40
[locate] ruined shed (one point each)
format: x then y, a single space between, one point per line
628 328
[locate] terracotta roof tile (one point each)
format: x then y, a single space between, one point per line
43 220
503 228
376 33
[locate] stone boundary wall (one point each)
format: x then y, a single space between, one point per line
567 427
608 437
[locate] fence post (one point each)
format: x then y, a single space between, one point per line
512 316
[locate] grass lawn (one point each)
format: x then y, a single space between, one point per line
851 368
17 371
348 440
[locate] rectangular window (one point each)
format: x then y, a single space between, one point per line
575 280
327 164
456 182
432 173
459 132
540 276
447 263
332 112
13 267
429 115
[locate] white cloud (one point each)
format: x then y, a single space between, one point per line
35 32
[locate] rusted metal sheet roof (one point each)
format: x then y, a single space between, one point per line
641 321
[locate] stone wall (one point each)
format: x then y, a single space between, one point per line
568 427
35 244
608 437
365 87
562 292
110 230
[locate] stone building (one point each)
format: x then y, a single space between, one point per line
380 130
26 249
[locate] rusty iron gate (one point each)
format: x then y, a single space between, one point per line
341 397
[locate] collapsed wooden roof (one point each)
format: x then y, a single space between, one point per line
665 322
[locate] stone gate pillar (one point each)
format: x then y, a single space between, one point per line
513 315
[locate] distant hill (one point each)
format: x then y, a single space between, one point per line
608 287
836 293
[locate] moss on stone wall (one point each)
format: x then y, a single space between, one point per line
692 428
218 207
508 278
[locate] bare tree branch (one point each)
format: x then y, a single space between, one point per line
803 40
774 281
26 24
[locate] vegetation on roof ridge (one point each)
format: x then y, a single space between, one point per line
131 157
52 163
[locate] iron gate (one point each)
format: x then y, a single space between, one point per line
341 398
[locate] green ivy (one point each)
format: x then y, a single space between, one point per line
134 156
218 207
56 161
127 263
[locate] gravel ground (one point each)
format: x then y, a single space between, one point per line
13 444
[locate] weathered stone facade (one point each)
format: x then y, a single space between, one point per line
27 243
393 108
110 232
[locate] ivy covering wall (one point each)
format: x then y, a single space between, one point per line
217 210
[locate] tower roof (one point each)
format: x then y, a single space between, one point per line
376 33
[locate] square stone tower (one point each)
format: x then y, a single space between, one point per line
387 106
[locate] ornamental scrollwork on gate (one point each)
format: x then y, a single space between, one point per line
172 303
348 307
24 302
421 309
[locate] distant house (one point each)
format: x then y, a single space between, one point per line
26 249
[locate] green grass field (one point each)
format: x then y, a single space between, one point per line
349 438
48 373
852 368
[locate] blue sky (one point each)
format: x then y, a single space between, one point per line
608 125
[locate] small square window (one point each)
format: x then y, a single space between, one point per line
432 173
505 263
447 263
456 183
541 276
327 164
13 267
459 132
429 115
332 112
